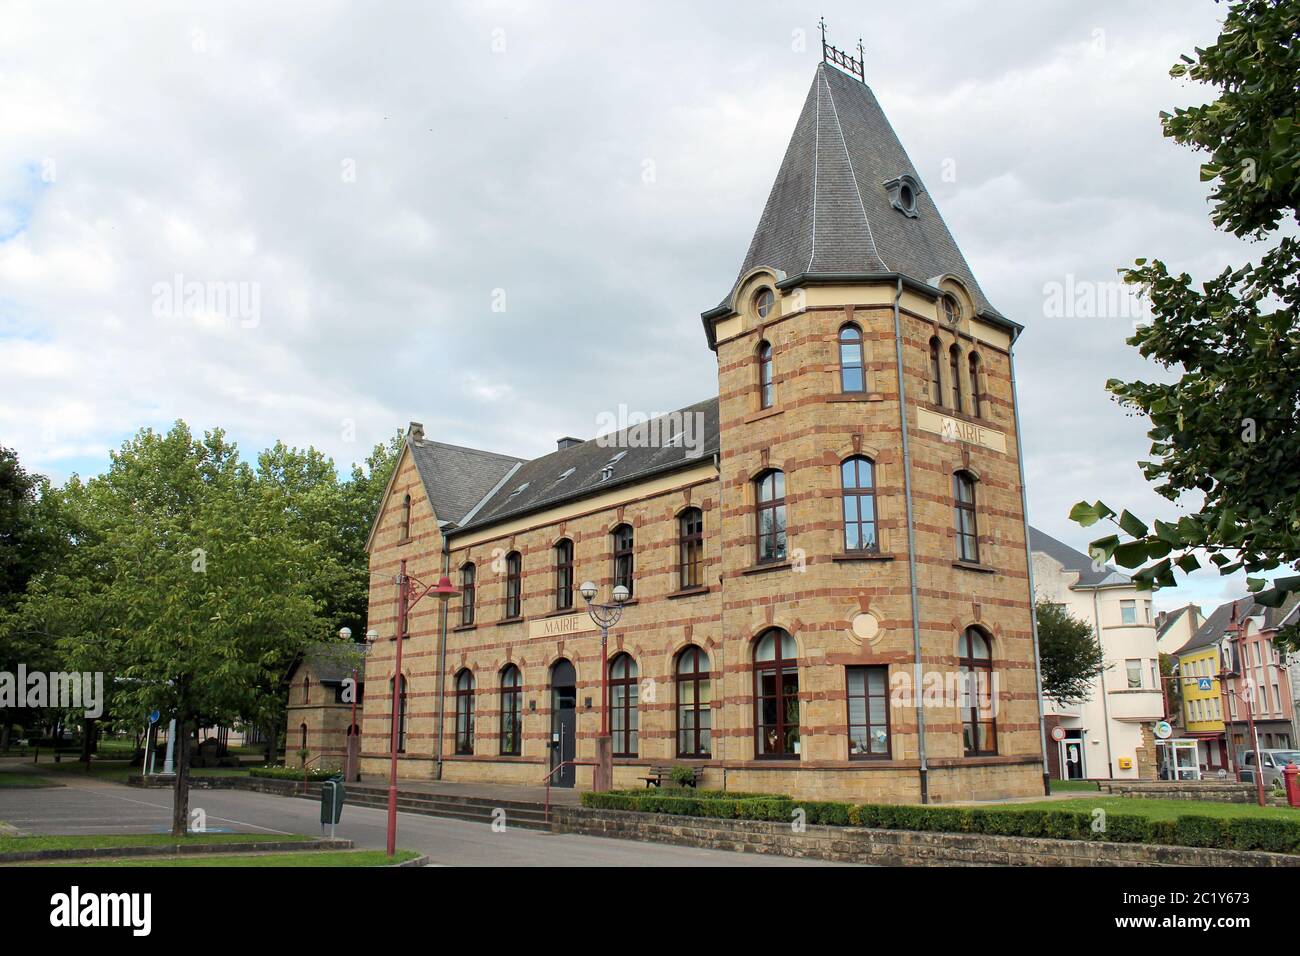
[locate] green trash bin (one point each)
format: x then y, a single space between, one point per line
332 795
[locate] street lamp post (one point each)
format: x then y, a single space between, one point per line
443 590
605 616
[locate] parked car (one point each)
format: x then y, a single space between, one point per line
1274 762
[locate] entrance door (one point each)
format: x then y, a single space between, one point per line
564 721
1071 758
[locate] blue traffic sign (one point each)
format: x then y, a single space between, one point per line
153 716
1205 683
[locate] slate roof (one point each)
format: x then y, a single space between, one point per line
538 484
332 663
1216 625
829 211
457 478
1073 560
1171 619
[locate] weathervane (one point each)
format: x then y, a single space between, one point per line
856 67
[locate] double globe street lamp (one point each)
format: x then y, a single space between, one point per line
604 616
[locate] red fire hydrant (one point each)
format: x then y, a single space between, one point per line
1291 774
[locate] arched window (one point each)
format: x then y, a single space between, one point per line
769 497
512 693
306 689
951 308
954 374
465 712
406 517
467 576
978 715
763 302
776 696
853 372
303 731
564 575
623 705
623 557
936 386
690 549
858 484
766 385
514 584
975 399
400 713
963 494
694 704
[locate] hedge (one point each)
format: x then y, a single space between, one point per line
698 794
293 773
1273 835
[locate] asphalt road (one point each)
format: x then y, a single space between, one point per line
98 807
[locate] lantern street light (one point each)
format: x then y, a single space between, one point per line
361 652
407 598
605 616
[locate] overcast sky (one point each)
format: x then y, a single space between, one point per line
504 219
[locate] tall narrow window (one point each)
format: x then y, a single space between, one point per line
776 696
976 399
514 584
623 557
954 373
623 705
465 712
963 492
766 386
306 689
858 483
853 373
564 575
467 575
978 725
694 704
868 699
936 386
690 549
302 730
512 698
406 517
398 700
769 490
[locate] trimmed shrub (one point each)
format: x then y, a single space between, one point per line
1273 835
293 773
1199 831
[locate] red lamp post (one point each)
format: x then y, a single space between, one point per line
406 586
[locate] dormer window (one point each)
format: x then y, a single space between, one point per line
951 308
518 491
903 194
763 302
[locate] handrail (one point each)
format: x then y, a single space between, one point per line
556 769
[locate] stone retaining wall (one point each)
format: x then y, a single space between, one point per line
891 847
1229 792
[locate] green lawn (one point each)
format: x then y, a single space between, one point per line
1158 809
113 840
13 779
325 858
1069 786
120 770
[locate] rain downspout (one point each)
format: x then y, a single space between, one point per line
442 659
1029 566
911 551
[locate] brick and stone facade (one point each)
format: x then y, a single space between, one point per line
843 608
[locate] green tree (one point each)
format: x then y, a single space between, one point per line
1226 432
1070 656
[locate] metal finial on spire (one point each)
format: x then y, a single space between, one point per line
846 61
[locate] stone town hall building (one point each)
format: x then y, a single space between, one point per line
798 565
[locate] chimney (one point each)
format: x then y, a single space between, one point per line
564 443
415 432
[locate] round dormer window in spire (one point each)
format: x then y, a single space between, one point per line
903 193
763 302
951 308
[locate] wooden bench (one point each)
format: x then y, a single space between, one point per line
658 775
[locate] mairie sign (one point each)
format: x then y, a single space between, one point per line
954 429
560 626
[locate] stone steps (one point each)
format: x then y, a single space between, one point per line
527 816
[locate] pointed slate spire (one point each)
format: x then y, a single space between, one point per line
831 209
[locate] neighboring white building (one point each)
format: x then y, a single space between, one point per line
1175 628
1110 735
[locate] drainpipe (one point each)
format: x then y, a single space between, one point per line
1029 566
911 551
1105 703
442 660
